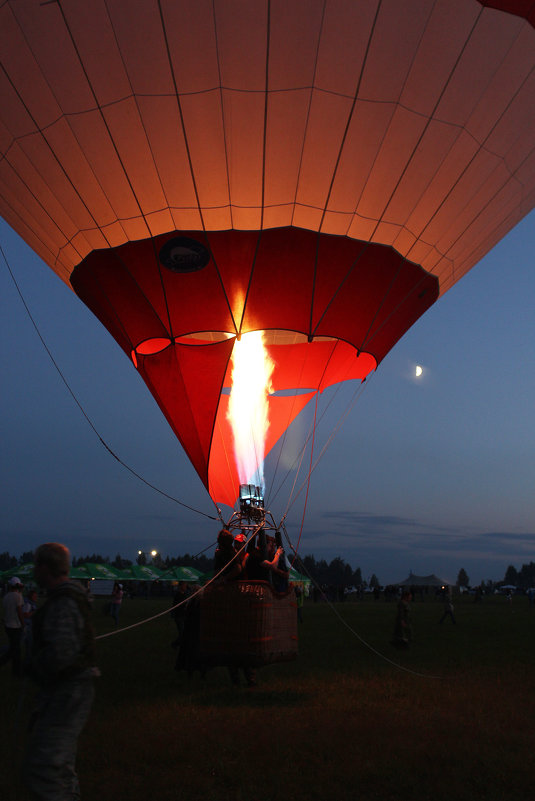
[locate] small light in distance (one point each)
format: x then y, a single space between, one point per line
418 371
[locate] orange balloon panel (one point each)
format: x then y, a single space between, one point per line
406 124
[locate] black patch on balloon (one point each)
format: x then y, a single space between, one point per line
184 255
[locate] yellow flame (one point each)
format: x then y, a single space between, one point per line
248 405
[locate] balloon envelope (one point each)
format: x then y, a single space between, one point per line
319 171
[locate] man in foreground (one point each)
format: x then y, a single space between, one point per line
62 665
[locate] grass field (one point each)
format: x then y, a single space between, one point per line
454 719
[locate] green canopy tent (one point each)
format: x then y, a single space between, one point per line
24 571
182 573
95 570
141 573
298 578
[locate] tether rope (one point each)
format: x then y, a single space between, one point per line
84 413
186 600
350 628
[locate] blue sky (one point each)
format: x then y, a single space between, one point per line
428 475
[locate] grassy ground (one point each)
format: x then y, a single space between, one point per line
452 720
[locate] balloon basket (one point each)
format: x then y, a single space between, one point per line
247 624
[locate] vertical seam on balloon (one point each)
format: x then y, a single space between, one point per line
510 176
308 111
141 119
104 121
266 103
260 232
349 117
41 133
481 144
386 294
223 126
430 119
398 306
324 211
135 99
23 224
188 152
350 270
395 104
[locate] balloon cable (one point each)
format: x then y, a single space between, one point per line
303 569
80 407
189 598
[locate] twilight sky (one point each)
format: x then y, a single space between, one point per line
429 474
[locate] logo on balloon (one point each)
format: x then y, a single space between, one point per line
184 255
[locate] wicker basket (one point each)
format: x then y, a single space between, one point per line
247 623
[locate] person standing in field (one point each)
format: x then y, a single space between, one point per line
448 605
12 603
402 628
116 601
28 610
63 667
179 610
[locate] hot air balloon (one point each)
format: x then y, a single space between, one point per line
320 171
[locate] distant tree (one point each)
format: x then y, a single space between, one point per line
141 558
26 558
357 577
526 576
511 576
121 563
309 566
340 573
374 582
462 578
7 561
94 558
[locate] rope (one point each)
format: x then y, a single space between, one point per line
186 600
356 396
350 628
82 410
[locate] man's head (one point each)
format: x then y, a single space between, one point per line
224 538
52 563
14 583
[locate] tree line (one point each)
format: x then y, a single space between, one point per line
337 572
